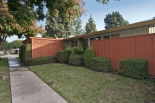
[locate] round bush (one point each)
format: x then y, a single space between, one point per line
63 55
89 53
77 60
134 67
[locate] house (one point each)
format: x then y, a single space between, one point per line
139 28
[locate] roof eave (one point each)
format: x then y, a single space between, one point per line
143 23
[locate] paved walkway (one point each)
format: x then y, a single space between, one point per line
26 87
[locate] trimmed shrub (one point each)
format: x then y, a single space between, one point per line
27 52
134 67
24 53
89 53
77 51
41 60
77 60
21 53
63 55
100 64
83 44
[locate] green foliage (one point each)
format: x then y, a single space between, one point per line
134 67
21 51
77 51
57 28
69 48
63 55
6 46
100 64
77 26
88 55
19 22
5 94
64 9
114 20
90 26
83 44
13 45
77 60
27 52
103 1
53 28
41 60
16 43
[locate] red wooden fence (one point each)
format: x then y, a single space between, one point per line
142 46
44 47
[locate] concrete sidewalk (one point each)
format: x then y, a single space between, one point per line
26 87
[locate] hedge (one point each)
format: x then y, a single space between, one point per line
41 60
76 60
77 51
100 64
134 67
63 55
27 52
89 53
21 53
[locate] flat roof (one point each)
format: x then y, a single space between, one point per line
142 23
28 40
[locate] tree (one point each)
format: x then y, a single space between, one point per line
6 46
77 26
65 9
114 20
9 26
55 27
16 43
69 30
90 26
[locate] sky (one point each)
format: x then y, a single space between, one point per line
132 10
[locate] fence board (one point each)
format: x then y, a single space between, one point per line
42 47
116 49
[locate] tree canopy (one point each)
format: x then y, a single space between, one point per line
77 26
65 9
11 45
114 20
55 27
9 26
90 25
16 43
6 46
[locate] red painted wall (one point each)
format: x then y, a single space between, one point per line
44 47
141 46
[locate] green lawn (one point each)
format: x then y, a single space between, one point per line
4 81
82 85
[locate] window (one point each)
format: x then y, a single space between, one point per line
98 38
115 35
95 38
106 37
74 43
151 30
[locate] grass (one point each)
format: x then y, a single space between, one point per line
4 81
82 85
